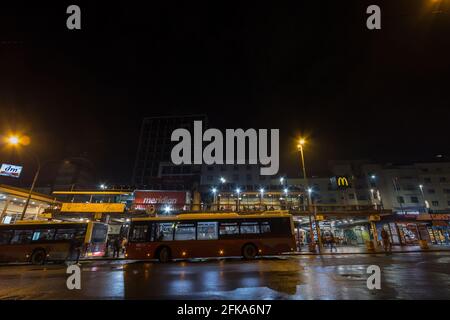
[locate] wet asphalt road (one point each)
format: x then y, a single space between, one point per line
403 276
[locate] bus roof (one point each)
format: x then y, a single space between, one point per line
212 216
37 223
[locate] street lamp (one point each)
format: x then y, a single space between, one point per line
301 143
14 141
281 180
223 180
261 192
214 191
238 191
423 197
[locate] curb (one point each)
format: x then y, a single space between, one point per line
375 252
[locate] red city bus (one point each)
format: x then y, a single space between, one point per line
38 242
210 235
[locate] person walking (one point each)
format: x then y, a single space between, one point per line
332 242
124 245
116 247
387 245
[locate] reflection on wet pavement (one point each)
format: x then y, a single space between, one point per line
404 276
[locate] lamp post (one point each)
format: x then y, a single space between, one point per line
238 193
261 192
300 145
423 197
214 191
15 140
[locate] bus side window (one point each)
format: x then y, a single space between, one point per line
228 228
185 231
5 236
249 227
139 233
22 236
43 235
64 234
207 230
164 231
265 227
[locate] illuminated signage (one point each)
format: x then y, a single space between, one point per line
342 181
92 207
9 170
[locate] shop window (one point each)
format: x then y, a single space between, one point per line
185 231
249 227
43 235
207 230
228 228
22 236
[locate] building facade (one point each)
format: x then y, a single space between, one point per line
153 156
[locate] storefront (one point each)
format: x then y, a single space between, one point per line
438 227
346 231
409 229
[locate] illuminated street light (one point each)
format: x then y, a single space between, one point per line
281 180
301 143
13 140
238 191
214 191
223 180
167 209
285 190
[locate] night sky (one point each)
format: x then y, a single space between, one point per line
311 67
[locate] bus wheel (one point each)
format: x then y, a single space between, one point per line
249 251
164 255
38 257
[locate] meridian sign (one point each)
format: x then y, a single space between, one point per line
9 170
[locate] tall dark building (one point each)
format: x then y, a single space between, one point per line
154 148
75 173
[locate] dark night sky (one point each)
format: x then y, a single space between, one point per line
310 68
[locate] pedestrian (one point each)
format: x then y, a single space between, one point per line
332 242
124 245
116 247
386 241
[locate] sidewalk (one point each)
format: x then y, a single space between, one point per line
363 250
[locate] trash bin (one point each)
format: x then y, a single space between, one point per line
370 245
423 244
